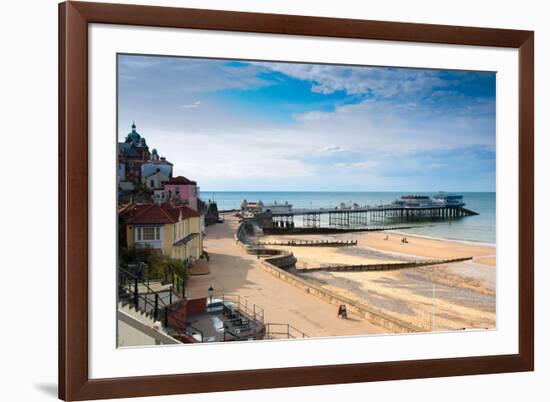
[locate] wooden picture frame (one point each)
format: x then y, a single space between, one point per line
74 381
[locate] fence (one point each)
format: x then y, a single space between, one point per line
311 243
250 310
283 331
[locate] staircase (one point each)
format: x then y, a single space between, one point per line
149 302
141 316
146 298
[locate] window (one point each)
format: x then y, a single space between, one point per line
152 184
148 233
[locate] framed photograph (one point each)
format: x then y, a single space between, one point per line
259 200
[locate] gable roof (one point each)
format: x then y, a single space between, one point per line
155 214
180 180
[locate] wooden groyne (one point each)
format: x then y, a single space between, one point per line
389 266
311 243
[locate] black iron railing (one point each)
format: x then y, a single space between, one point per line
128 290
282 331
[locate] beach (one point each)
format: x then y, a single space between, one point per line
440 297
436 298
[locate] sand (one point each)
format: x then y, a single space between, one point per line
486 260
310 257
416 246
440 297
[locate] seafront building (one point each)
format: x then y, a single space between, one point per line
251 207
441 199
156 164
254 208
132 153
136 162
172 230
184 190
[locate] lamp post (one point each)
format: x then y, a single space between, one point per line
258 245
210 293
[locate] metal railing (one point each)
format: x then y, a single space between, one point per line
128 285
250 310
282 331
169 276
239 329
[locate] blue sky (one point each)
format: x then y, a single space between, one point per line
270 126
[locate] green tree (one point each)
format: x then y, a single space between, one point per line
154 264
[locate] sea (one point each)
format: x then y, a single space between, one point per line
480 228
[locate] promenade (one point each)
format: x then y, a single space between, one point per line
232 271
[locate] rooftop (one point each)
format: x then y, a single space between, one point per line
143 214
181 180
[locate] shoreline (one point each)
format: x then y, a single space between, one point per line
375 242
444 239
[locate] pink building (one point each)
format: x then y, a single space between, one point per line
183 189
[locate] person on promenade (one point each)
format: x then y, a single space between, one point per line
342 311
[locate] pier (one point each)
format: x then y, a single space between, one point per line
364 216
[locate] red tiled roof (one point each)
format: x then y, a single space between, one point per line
180 180
148 214
132 210
187 212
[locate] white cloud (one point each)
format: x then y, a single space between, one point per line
231 158
193 105
363 165
192 76
332 149
386 127
384 82
226 152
